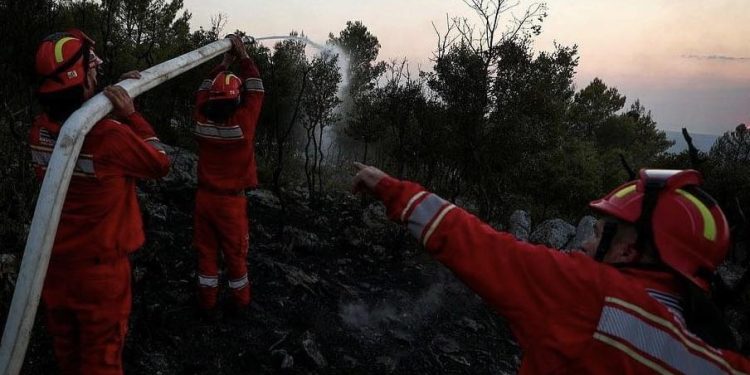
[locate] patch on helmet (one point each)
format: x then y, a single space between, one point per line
72 74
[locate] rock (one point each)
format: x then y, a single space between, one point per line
388 363
740 253
349 362
298 239
446 344
8 272
731 273
297 277
183 168
321 222
520 225
379 250
259 230
138 273
354 236
401 335
8 264
263 198
584 231
460 359
156 212
471 324
374 216
312 350
737 320
555 233
285 360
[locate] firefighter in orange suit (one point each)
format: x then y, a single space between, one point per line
227 111
624 305
87 291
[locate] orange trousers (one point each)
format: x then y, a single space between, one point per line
87 308
221 224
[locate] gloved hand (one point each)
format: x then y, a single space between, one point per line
238 48
133 74
247 39
366 179
122 103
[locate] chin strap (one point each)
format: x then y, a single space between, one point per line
644 225
608 234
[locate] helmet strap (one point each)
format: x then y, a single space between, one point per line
86 52
644 224
605 242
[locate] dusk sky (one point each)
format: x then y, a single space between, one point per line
688 61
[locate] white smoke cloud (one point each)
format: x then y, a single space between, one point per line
716 57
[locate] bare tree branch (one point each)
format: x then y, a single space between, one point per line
444 40
218 22
695 158
483 38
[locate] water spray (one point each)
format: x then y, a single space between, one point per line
329 49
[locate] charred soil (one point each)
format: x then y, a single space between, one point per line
336 289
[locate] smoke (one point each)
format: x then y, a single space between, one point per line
406 311
358 315
716 57
342 61
330 50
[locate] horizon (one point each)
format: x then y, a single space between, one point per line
697 76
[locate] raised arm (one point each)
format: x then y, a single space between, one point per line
522 282
135 148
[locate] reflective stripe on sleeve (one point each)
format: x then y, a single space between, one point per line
436 223
429 212
206 84
411 203
254 84
156 143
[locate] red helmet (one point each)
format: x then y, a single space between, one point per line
689 230
60 60
226 86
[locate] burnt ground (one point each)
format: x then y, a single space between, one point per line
337 290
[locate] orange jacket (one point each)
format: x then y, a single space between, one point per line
226 152
570 314
101 218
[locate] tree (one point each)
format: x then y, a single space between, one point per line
729 171
732 148
318 103
526 135
593 106
465 64
285 80
596 116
